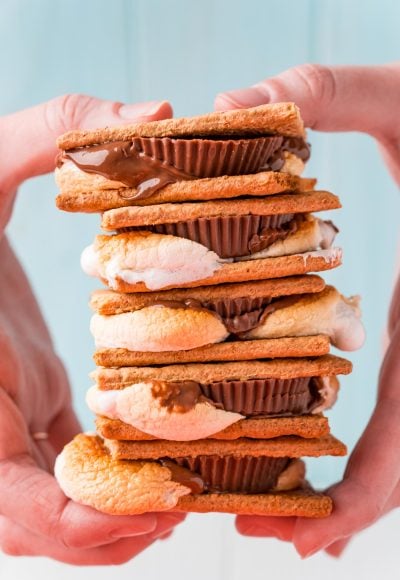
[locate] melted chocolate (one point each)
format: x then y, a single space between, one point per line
149 164
239 315
178 397
251 397
232 236
184 476
123 161
246 474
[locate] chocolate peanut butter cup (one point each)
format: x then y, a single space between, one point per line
233 236
215 157
265 397
255 397
227 473
238 314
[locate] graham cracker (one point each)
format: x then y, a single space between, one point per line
288 446
277 118
327 365
261 269
108 302
307 426
304 202
302 503
76 198
235 350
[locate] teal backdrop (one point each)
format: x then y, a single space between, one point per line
186 51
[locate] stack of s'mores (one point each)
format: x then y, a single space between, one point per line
213 337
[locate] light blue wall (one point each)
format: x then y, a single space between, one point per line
186 51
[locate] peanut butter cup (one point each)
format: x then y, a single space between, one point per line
235 474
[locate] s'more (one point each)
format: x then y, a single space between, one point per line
214 331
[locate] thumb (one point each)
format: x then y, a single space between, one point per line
340 98
27 145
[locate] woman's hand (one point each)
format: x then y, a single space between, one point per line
36 518
346 99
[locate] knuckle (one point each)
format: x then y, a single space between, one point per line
68 110
319 81
70 539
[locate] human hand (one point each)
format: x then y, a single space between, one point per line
36 518
346 99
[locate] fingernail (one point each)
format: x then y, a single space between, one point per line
240 98
263 531
143 524
140 109
311 552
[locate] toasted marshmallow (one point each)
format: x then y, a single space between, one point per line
292 477
137 406
327 312
158 329
155 259
312 234
328 390
90 262
114 487
293 164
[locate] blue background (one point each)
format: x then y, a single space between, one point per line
186 52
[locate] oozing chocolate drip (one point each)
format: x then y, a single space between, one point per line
149 164
218 474
122 161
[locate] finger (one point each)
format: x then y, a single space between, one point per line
337 548
17 541
64 428
28 146
264 526
32 498
340 98
372 473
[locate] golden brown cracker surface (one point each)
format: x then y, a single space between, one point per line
107 302
288 446
261 269
301 346
172 212
76 196
302 503
308 426
327 365
277 118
